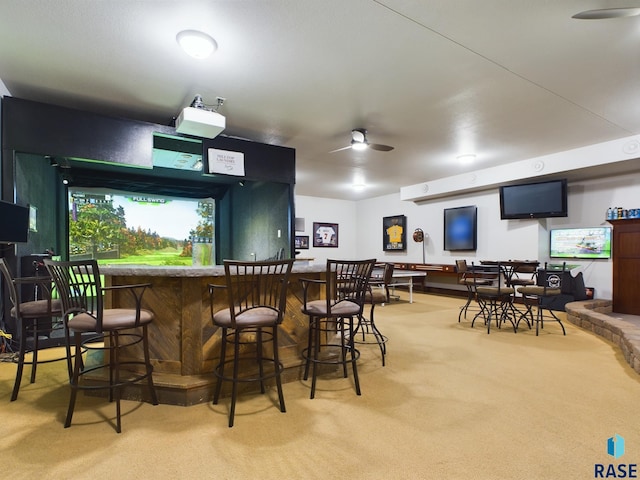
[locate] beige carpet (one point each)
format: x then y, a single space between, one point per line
452 403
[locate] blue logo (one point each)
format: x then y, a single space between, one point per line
615 449
615 446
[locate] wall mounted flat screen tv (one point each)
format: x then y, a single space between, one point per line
593 242
460 228
534 200
14 223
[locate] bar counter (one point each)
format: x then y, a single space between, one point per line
183 341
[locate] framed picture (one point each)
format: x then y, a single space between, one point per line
394 233
325 234
302 242
460 228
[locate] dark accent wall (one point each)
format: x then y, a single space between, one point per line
277 164
34 180
101 151
259 221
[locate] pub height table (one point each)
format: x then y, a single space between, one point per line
510 270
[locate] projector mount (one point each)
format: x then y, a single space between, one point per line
199 103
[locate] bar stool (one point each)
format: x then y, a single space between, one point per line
256 301
549 284
111 331
469 279
523 274
331 341
377 294
34 319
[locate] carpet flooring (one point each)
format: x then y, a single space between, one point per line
451 403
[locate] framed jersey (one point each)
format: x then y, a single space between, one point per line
325 234
394 233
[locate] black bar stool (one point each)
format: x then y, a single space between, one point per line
331 341
256 294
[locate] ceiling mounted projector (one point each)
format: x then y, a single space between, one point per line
196 120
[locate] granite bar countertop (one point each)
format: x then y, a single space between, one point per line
181 271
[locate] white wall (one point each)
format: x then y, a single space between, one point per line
360 232
325 210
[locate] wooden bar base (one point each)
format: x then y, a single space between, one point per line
184 343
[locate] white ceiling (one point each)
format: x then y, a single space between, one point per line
507 80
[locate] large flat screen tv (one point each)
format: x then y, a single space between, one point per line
14 223
534 200
592 242
460 230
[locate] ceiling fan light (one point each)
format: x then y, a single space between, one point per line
197 44
359 145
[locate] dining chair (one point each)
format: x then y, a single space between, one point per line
549 284
377 294
256 300
104 334
331 341
35 322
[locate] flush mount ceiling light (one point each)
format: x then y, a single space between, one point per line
607 13
466 158
197 44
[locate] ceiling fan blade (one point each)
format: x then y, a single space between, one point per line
340 149
380 148
607 13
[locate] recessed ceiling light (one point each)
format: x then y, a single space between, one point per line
197 44
466 158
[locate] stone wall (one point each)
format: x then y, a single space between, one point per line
622 330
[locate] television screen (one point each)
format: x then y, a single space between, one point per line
594 242
534 200
135 228
460 228
14 223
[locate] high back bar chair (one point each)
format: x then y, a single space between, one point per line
329 342
377 294
256 294
549 284
82 295
469 279
34 319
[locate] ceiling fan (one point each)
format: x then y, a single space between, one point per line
607 13
359 142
